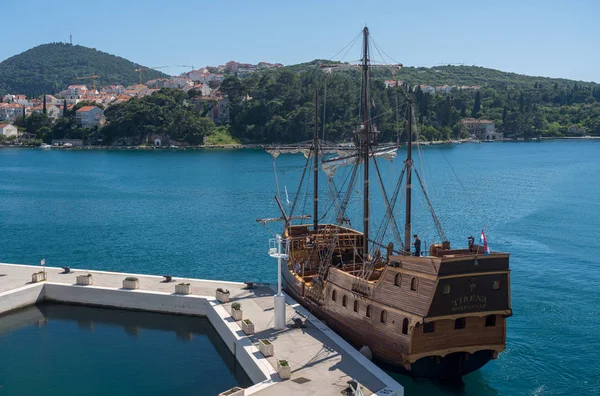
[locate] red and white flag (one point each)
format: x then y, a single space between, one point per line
486 248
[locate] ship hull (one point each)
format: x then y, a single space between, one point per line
450 367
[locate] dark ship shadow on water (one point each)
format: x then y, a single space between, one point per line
472 384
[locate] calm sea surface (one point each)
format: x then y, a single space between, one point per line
56 349
192 213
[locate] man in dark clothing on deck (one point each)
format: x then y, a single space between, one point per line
417 246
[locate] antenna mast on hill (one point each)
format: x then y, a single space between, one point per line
71 38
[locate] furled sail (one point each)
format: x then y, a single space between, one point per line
306 149
330 166
276 151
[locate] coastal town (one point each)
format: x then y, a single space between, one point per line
205 81
89 102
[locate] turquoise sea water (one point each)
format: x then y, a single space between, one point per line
192 213
69 350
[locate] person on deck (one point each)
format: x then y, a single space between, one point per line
417 245
471 243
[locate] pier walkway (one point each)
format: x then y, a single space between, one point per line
321 362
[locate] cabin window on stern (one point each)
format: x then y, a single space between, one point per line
398 280
414 284
405 326
496 285
344 301
355 305
333 293
490 321
383 317
460 323
429 327
368 311
446 289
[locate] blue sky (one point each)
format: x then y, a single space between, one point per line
547 38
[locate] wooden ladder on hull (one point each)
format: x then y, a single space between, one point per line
316 291
360 284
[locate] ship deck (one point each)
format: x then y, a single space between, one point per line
321 361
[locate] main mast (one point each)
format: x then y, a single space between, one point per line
316 164
407 223
365 143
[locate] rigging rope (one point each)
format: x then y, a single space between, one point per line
386 220
485 218
437 223
299 187
276 179
349 46
389 211
379 49
306 192
324 107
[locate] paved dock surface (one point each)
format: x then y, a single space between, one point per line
319 365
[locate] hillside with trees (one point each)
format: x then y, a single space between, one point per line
50 68
278 105
168 112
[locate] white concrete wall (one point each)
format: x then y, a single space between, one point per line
127 299
21 297
255 365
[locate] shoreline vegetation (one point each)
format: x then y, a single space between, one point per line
261 146
278 106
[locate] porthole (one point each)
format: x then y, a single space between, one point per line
414 284
398 280
383 317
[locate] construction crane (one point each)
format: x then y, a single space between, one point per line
142 68
192 66
92 77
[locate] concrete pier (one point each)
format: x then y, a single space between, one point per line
321 362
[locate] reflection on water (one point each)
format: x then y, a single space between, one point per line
473 384
66 349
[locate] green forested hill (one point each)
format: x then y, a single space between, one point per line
50 68
475 75
453 75
282 103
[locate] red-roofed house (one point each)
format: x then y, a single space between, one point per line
88 116
10 111
121 99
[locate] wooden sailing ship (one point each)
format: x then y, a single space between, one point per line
440 315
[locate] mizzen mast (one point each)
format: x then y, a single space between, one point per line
408 165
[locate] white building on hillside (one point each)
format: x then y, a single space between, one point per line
182 81
10 111
113 89
8 130
482 129
74 92
88 116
